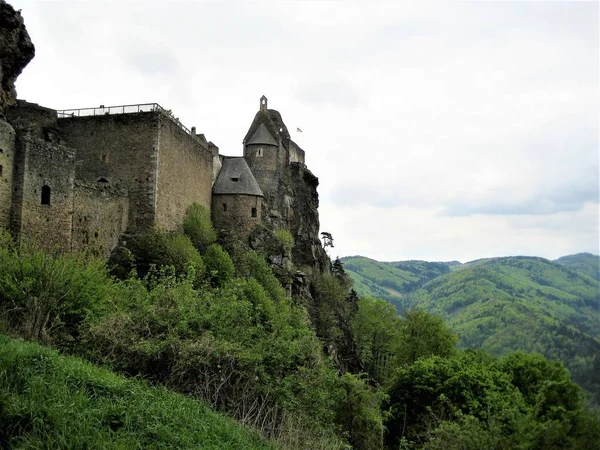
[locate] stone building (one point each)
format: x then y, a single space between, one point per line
237 198
77 180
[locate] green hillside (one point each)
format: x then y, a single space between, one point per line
391 280
502 304
582 262
53 401
522 303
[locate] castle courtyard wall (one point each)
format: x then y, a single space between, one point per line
185 174
121 149
100 215
7 150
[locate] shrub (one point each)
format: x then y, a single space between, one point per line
45 297
155 249
219 266
198 227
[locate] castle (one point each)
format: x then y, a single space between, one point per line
79 179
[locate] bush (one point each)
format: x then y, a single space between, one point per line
198 227
46 297
219 266
153 250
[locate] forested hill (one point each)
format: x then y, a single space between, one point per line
582 262
392 280
502 304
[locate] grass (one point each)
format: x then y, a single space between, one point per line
52 401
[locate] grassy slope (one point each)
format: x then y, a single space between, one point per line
53 401
390 280
582 262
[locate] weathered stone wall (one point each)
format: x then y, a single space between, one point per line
121 149
43 189
185 174
7 150
38 120
265 163
296 154
237 214
99 218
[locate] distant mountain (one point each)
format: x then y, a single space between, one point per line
391 280
582 262
502 304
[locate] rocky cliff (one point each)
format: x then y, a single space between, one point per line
16 50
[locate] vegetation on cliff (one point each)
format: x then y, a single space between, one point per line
320 368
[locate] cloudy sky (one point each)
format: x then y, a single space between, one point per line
438 131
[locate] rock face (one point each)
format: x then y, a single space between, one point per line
304 218
16 50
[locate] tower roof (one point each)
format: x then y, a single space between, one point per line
262 136
267 127
235 177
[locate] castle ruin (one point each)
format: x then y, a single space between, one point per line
78 180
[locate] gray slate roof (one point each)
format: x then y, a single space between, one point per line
262 136
236 168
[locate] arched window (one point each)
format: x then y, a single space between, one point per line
45 195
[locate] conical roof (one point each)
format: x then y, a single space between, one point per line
271 123
235 177
262 136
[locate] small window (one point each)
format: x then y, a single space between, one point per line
102 180
259 152
0 170
45 195
1 150
104 157
225 207
254 212
235 179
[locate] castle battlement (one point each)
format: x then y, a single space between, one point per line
129 109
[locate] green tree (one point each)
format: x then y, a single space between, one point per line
376 328
423 334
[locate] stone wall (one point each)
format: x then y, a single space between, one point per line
121 149
185 174
7 149
235 212
99 218
296 154
43 192
265 163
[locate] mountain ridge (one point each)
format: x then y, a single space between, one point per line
503 304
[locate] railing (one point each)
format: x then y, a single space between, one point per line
123 109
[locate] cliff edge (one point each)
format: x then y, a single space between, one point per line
16 50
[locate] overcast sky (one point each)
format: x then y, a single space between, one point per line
438 131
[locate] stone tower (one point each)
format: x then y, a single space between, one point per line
264 148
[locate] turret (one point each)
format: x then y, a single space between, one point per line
263 148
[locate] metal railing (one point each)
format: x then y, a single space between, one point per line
123 109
